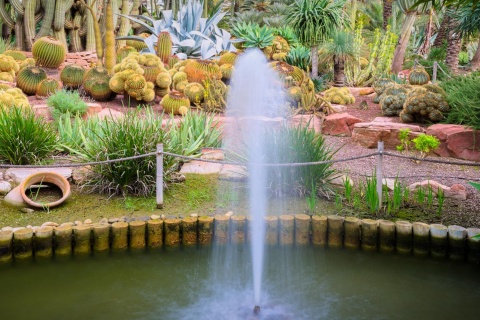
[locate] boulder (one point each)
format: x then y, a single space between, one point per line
5 187
19 174
111 113
93 109
456 141
456 191
200 167
339 124
367 134
212 154
306 120
339 108
14 198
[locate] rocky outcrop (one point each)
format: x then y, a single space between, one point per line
456 141
367 134
339 124
456 191
306 120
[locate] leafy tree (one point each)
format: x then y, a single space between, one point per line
313 22
340 49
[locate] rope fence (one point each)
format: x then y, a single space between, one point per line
160 153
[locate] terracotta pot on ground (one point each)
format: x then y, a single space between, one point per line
43 178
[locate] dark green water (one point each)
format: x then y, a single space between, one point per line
208 283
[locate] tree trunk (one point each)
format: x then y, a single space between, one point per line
476 58
338 72
314 54
399 54
453 49
425 46
387 12
442 31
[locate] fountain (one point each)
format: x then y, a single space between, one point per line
255 92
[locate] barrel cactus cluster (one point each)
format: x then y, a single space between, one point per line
13 97
339 96
96 84
381 85
412 103
8 67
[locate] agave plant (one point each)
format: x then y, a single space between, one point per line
192 36
253 36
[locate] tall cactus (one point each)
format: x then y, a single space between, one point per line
164 46
49 8
5 16
91 39
75 38
96 28
124 23
29 22
110 54
60 8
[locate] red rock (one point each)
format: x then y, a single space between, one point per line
42 110
306 120
339 124
93 108
456 141
367 134
109 113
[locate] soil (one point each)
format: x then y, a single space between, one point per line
465 213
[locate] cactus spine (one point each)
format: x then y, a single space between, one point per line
110 56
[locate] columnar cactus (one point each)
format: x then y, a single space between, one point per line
164 46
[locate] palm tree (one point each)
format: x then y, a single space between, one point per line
339 50
314 21
410 16
469 25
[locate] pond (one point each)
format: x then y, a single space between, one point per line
215 283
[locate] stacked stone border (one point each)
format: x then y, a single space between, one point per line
420 239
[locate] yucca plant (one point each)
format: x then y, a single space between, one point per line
24 138
313 22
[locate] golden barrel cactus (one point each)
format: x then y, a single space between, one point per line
176 103
49 52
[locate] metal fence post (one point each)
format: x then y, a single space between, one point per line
434 75
159 176
380 172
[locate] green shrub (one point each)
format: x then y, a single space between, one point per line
71 128
425 144
464 100
64 101
24 138
437 53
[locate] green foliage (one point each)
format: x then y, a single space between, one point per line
425 144
300 57
65 101
288 34
464 100
253 35
380 54
437 53
4 45
73 131
393 98
24 138
463 59
405 142
371 195
315 20
476 185
133 135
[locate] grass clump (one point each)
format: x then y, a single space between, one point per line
132 135
464 100
24 138
64 101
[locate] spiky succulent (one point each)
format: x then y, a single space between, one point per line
379 86
294 94
15 54
200 70
393 99
164 46
123 52
418 76
339 96
228 58
291 75
176 103
28 79
48 87
49 52
10 97
422 105
138 45
194 92
163 80
278 50
227 71
8 63
99 89
72 76
6 76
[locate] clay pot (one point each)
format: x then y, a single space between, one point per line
45 177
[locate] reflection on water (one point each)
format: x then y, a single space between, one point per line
215 283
